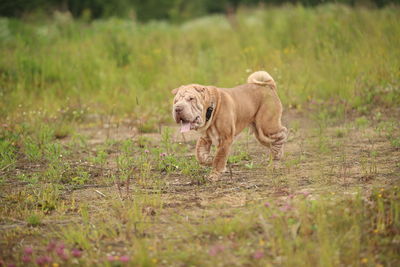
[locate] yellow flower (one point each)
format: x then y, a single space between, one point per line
154 260
364 260
262 242
376 231
380 195
55 264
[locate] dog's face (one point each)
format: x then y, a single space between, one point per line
189 106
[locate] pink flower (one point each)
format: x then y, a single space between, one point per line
43 260
61 253
51 246
76 253
111 258
163 154
26 258
214 250
147 151
12 265
28 250
124 259
306 194
267 205
285 208
258 254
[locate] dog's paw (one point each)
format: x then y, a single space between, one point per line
214 176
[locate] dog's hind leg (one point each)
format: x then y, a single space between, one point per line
274 141
268 129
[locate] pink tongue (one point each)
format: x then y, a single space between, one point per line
185 127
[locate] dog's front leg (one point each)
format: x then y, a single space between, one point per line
220 158
203 148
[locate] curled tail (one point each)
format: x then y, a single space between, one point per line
261 78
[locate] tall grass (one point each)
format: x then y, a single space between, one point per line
127 68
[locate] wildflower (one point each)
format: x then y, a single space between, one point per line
51 246
215 250
273 216
258 254
364 260
12 265
147 151
285 208
43 260
124 259
267 205
306 194
26 259
111 258
61 253
28 250
379 195
55 264
154 260
163 154
76 253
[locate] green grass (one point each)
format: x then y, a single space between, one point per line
67 69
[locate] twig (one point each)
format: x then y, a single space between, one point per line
100 193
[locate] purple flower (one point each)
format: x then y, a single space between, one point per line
306 194
285 208
258 254
163 154
12 265
77 253
214 250
28 250
111 258
26 258
43 260
61 253
61 246
267 205
147 151
51 246
124 259
273 216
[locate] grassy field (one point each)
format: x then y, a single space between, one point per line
93 172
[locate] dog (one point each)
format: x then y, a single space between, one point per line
220 114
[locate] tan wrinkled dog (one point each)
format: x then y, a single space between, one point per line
220 114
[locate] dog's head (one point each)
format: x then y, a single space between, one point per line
190 106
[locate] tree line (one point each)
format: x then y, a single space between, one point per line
145 10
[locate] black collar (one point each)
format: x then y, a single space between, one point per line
209 112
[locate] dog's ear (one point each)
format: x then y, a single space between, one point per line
175 91
199 88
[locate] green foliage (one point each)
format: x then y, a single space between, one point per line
332 52
34 219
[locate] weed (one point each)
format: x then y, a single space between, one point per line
34 219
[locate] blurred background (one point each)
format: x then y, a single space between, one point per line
74 61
